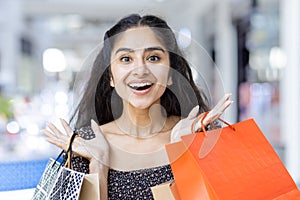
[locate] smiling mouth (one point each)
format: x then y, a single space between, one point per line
140 86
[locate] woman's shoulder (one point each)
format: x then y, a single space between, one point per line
87 132
109 127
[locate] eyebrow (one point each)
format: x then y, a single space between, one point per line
146 49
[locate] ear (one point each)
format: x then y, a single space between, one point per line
170 81
112 84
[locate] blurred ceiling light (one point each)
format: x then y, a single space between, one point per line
184 37
56 25
61 97
33 129
46 109
73 59
259 59
277 58
54 60
75 21
46 96
13 127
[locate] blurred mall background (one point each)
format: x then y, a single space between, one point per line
254 46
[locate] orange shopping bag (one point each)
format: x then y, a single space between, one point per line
234 162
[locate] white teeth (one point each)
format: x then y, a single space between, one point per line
139 84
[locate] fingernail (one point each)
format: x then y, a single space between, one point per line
228 95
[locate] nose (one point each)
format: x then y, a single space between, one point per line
141 69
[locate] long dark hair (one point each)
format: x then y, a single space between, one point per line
99 97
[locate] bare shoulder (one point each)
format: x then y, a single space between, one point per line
109 128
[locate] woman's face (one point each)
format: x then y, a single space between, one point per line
140 67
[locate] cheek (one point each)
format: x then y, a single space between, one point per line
162 75
118 80
118 74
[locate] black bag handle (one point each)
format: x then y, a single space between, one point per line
68 154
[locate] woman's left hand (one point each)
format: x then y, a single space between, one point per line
183 127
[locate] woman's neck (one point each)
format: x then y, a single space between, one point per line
142 123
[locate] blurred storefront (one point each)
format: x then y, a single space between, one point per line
253 46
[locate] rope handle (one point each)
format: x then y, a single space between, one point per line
68 154
202 116
69 150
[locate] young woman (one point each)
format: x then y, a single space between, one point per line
140 96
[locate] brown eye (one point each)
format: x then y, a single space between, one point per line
125 59
153 58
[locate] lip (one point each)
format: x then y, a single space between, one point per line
140 92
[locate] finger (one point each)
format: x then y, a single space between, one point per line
220 105
194 112
52 126
51 135
48 133
226 105
215 114
54 129
218 111
59 142
227 96
67 128
222 101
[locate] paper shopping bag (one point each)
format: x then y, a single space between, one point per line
67 185
59 181
234 162
292 195
47 180
90 187
190 183
165 191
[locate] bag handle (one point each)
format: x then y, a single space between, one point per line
69 150
203 116
225 122
210 140
68 154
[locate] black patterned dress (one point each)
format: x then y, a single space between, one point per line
126 185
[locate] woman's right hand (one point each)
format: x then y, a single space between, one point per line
95 150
